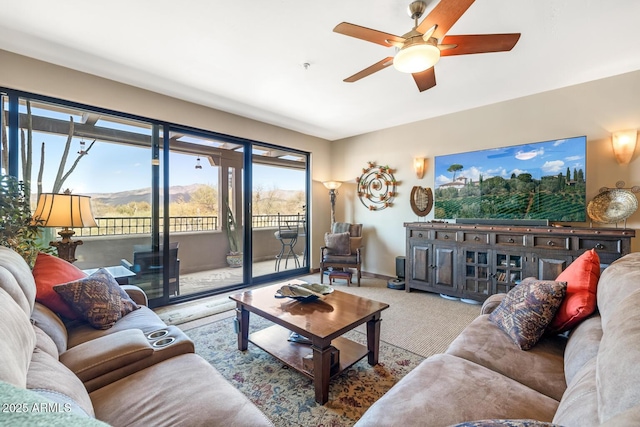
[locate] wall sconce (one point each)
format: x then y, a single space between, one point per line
332 186
624 144
418 166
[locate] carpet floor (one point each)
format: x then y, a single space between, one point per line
287 397
421 322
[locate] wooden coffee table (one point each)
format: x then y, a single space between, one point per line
321 321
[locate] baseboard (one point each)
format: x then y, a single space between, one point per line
364 274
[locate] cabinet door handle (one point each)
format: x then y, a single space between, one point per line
476 238
550 243
419 234
511 240
446 236
599 246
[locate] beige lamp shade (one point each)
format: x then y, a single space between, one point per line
624 145
418 166
64 210
332 185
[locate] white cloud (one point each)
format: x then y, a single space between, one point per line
519 171
442 179
553 167
528 155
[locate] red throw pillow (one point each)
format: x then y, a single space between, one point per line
582 277
48 272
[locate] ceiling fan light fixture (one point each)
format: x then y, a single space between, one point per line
416 57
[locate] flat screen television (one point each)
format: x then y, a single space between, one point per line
539 181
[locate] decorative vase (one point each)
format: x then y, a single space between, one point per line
234 259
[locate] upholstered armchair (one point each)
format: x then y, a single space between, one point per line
342 248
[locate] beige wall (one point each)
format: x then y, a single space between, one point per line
594 109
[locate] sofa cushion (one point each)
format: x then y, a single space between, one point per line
337 243
18 341
580 300
45 343
445 390
484 343
616 282
528 309
144 319
16 279
51 324
151 397
47 373
97 298
618 358
48 272
582 346
579 404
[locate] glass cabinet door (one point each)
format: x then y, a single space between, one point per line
477 278
508 272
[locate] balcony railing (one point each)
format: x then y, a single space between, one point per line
118 226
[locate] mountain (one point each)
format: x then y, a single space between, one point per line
178 192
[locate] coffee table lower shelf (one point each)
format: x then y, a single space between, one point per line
274 340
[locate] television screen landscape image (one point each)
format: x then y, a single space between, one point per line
538 181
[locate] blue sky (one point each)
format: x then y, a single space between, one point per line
539 159
111 168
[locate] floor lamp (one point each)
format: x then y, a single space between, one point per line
332 186
64 210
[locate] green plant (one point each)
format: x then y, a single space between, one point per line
234 234
18 231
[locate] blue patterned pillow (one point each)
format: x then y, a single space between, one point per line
528 309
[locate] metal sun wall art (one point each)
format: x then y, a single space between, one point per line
377 187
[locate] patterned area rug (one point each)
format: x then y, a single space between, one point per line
286 396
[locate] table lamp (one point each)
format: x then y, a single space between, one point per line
64 210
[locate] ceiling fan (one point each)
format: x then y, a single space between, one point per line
421 48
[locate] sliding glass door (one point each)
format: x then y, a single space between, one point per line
279 215
180 212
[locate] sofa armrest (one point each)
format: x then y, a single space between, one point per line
107 353
492 303
136 294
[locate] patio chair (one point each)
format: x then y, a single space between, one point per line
147 264
288 235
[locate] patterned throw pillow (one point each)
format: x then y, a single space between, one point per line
98 299
337 243
528 309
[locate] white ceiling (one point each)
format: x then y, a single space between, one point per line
246 57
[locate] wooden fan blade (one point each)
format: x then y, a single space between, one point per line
444 15
479 43
367 34
370 70
425 79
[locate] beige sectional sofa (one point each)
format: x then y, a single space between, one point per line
138 372
590 378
